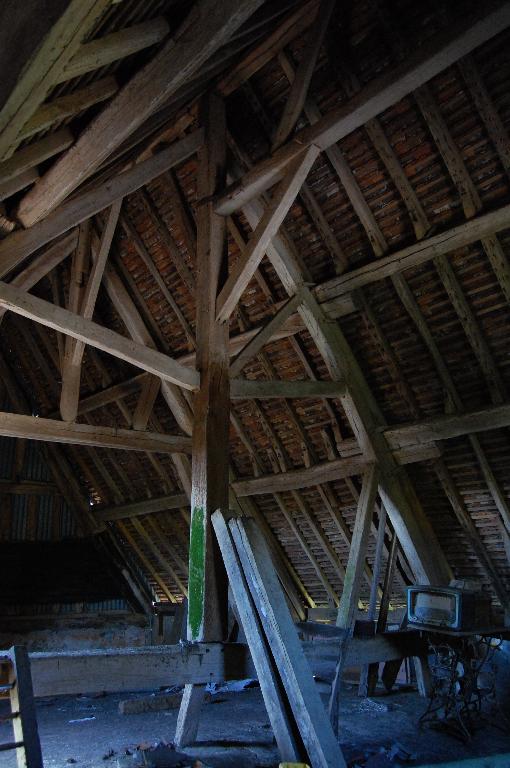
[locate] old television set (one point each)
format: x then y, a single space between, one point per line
451 608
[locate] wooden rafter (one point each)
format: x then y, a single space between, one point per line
50 430
43 70
21 244
301 83
206 28
97 336
71 369
270 222
420 66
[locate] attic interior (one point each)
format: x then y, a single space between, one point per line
254 375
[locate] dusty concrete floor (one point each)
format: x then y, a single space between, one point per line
235 731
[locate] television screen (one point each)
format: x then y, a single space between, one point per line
434 608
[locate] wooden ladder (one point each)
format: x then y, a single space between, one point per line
16 683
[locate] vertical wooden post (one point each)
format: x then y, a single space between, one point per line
207 586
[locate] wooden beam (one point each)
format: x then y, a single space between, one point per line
71 672
59 319
421 65
145 404
146 563
413 528
263 336
136 328
268 226
486 109
414 255
299 88
156 554
300 478
357 552
24 179
67 673
50 430
149 263
28 487
19 245
42 71
472 330
44 262
64 107
71 368
241 389
205 29
448 150
141 508
446 427
208 585
111 394
353 575
30 156
117 45
289 29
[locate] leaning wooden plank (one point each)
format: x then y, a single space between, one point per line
141 508
117 45
23 303
269 224
42 71
33 154
246 388
68 106
416 254
314 726
260 652
18 246
53 431
264 335
208 26
425 62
